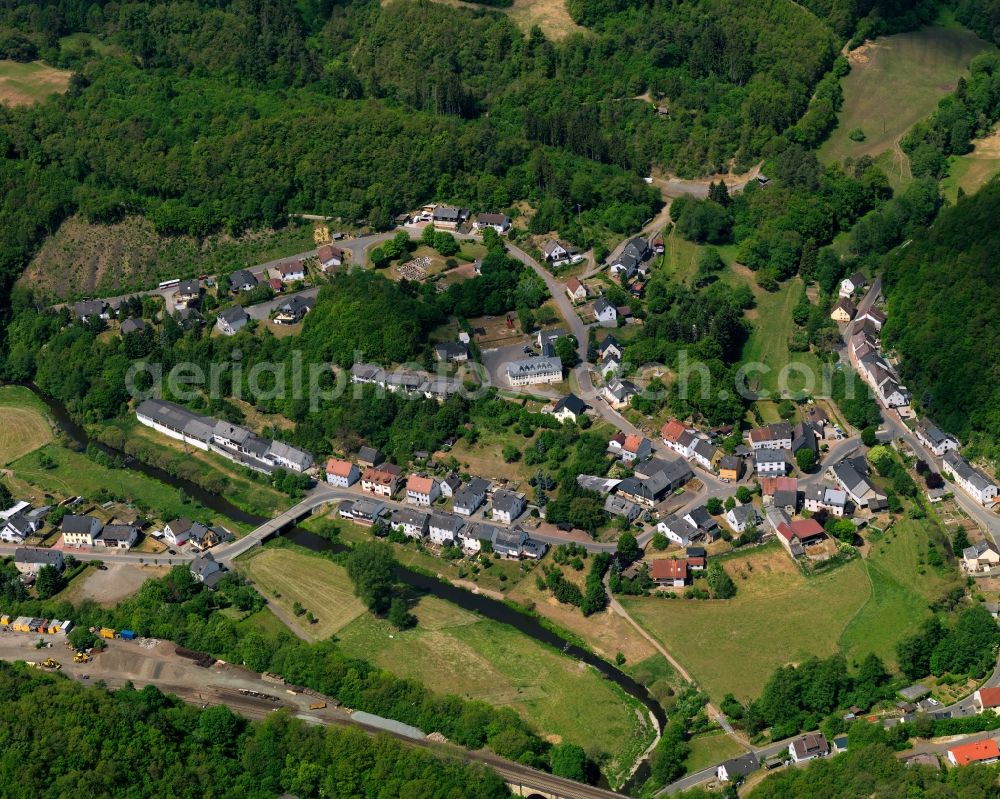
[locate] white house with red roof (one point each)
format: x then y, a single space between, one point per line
422 490
342 473
576 291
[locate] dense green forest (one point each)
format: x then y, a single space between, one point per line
89 742
943 297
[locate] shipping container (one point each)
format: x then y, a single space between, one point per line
128 635
107 632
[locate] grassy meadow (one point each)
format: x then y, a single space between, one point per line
27 83
24 425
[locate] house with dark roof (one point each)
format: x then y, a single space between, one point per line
242 280
971 480
677 530
807 747
80 531
853 283
772 436
231 321
91 309
499 222
205 567
508 505
737 769
858 488
771 461
743 516
616 505
444 528
535 370
187 294
118 536
605 313
448 218
452 352
133 325
411 523
569 409
293 310
730 468
369 456
291 271
329 257
470 497
934 438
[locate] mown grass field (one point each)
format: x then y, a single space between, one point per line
75 474
454 651
709 749
972 171
782 371
286 576
23 423
782 616
549 15
24 84
894 82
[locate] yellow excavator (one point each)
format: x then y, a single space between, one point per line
49 663
81 657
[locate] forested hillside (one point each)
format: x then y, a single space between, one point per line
944 294
87 742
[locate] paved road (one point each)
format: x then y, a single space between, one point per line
113 556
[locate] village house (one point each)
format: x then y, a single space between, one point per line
824 497
771 461
619 506
987 699
177 422
329 257
730 468
80 531
499 222
411 523
970 479
341 473
680 439
935 439
367 511
447 218
609 366
285 456
202 537
662 476
242 280
843 311
16 528
772 436
569 409
118 536
31 560
369 456
807 747
629 261
743 517
874 316
509 543
178 531
669 572
293 310
471 496
702 521
853 283
231 321
546 340
618 393
534 371
205 569
805 436
422 490
507 505
705 453
980 558
188 293
851 475
797 535
452 352
450 485
380 482
368 374
133 325
605 313
635 448
575 290
609 346
471 536
443 528
985 751
557 252
291 271
737 769
91 309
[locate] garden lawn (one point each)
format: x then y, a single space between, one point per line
454 651
778 616
286 576
709 749
75 474
23 423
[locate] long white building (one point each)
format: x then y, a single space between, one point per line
533 371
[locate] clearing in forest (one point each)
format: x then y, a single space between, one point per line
894 82
23 427
27 83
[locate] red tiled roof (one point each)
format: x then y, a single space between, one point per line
803 529
990 697
975 751
419 485
339 468
632 443
672 430
696 563
573 285
665 569
771 485
375 475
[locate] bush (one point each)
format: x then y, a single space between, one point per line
856 134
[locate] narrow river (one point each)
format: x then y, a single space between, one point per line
483 605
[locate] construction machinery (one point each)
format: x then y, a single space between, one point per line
49 663
81 657
317 705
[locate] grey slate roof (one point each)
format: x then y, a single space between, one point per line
77 524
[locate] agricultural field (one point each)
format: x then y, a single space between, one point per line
24 425
63 472
454 651
24 84
286 576
894 82
83 259
708 749
781 615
